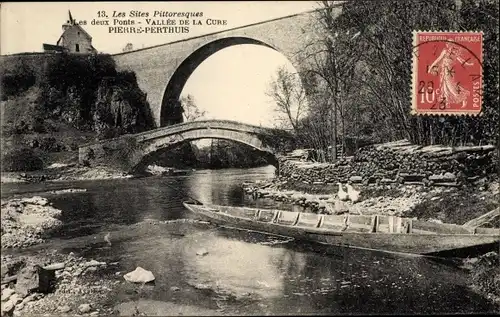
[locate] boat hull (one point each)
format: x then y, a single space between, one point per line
414 243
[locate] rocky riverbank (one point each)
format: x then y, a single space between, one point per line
27 221
70 286
46 282
385 200
442 204
64 173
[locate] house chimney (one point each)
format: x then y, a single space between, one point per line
66 26
68 23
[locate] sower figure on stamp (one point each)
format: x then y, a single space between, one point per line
450 90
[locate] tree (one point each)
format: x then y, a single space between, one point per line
289 95
335 63
129 47
364 59
191 112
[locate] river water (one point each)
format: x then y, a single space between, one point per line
243 272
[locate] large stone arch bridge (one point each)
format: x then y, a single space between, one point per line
128 151
162 70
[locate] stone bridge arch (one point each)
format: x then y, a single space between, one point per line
169 113
128 151
172 141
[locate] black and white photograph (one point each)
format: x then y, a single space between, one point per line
236 158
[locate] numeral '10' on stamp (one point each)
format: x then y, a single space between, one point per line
447 73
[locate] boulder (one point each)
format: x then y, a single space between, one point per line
36 200
356 179
16 299
93 263
139 275
34 278
6 294
64 309
29 298
158 170
27 280
84 308
7 307
447 177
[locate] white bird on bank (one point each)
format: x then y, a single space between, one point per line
352 193
341 193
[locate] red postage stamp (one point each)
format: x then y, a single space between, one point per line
447 73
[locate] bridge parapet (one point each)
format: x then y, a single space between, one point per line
203 124
186 126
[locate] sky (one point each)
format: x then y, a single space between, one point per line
230 84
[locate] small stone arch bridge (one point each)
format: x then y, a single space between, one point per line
127 152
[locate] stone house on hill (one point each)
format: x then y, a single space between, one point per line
74 39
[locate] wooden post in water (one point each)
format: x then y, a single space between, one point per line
374 223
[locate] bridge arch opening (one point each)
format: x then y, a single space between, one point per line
170 108
150 156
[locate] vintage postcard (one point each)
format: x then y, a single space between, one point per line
250 158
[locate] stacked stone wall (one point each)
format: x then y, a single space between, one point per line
399 162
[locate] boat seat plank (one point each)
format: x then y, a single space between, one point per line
390 224
308 220
288 217
242 212
266 215
333 222
359 223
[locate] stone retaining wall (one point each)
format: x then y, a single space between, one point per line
399 162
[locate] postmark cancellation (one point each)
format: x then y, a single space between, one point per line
447 73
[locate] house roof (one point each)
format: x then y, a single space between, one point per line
50 47
79 28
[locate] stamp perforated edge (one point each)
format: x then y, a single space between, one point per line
458 113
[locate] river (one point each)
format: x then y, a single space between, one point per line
243 272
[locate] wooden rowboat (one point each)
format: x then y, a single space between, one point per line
384 233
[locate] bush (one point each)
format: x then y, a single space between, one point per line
485 274
20 80
21 159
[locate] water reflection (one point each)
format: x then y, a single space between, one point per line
112 202
245 273
219 186
240 269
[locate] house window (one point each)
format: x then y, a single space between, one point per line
77 48
78 33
